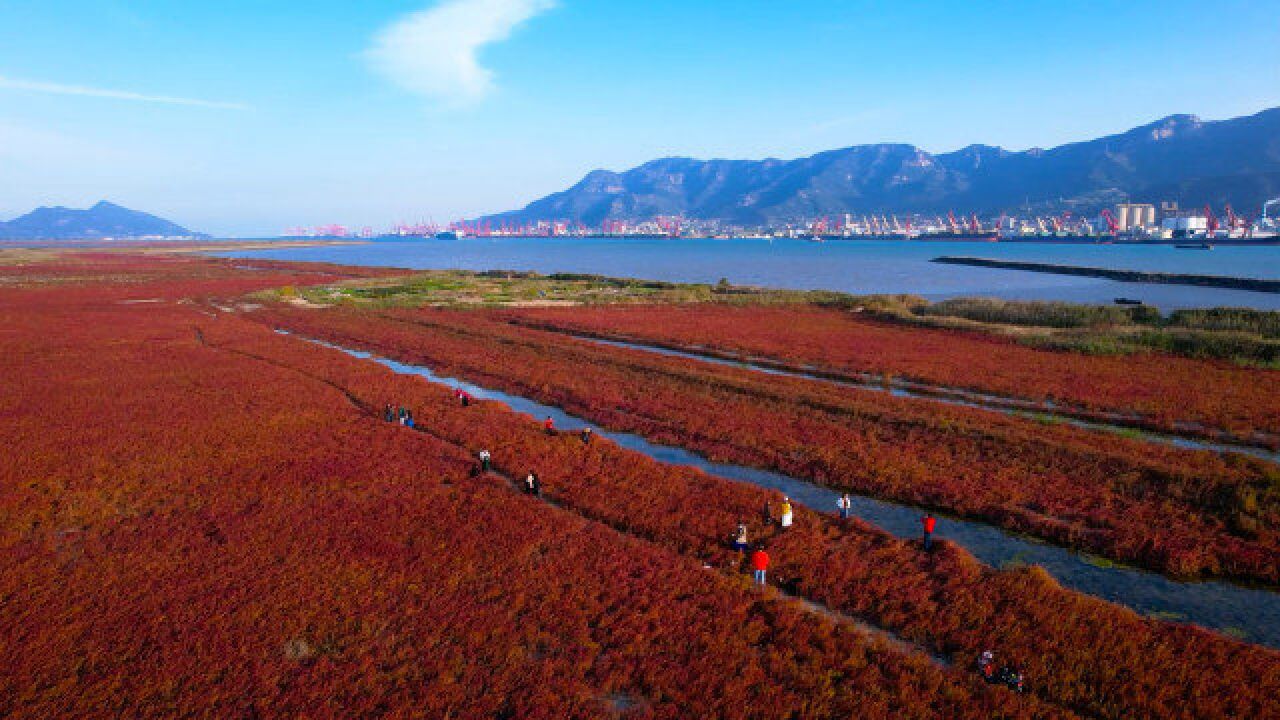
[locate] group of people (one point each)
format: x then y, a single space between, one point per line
400 415
759 559
928 523
549 426
463 397
1007 675
785 514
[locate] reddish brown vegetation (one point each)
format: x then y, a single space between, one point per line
1080 652
1184 512
199 518
1166 390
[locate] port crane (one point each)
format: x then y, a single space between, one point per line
1236 223
1211 222
1266 225
1233 220
1113 227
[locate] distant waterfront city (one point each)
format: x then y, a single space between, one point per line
1123 222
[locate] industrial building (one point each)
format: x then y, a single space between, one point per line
1135 216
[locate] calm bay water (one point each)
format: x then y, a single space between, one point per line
850 266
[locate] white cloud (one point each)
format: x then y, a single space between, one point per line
433 52
82 91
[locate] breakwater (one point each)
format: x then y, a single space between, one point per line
1132 276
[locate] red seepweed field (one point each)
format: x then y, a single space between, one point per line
1178 511
1164 391
202 517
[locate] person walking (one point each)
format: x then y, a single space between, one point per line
485 460
987 666
928 522
760 564
465 397
549 425
766 514
532 485
786 515
400 413
408 419
388 413
845 505
740 538
586 436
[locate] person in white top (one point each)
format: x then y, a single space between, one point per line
845 505
785 520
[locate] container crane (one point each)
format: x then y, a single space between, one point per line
1113 227
1265 226
1211 223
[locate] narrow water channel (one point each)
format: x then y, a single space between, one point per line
992 403
1249 613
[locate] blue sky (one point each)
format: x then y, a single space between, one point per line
245 117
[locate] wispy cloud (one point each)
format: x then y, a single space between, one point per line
433 52
83 91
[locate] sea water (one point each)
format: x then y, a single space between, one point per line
860 267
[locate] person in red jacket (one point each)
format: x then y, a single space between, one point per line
928 522
760 564
549 425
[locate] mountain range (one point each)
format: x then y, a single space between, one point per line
1177 158
104 220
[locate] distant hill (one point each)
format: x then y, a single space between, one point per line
104 220
1177 158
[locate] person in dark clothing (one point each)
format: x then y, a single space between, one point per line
388 413
532 485
766 515
486 460
928 522
740 538
465 397
586 436
408 419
